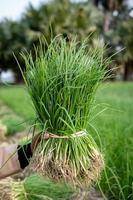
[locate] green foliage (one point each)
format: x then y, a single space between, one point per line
126 36
15 98
62 82
36 187
11 40
63 17
51 19
115 131
120 35
13 124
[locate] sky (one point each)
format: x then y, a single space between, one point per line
13 9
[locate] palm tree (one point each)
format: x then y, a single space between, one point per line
56 17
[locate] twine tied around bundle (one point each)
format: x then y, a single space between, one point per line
48 135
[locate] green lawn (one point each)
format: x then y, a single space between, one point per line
115 128
18 100
113 132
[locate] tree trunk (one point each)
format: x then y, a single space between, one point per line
128 70
107 19
125 75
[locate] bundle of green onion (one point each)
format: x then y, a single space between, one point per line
62 80
35 187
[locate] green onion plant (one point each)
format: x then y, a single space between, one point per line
35 187
62 79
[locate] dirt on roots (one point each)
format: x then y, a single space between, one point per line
58 170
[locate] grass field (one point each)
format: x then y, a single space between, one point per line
112 129
18 100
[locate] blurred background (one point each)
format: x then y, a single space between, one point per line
23 21
106 22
